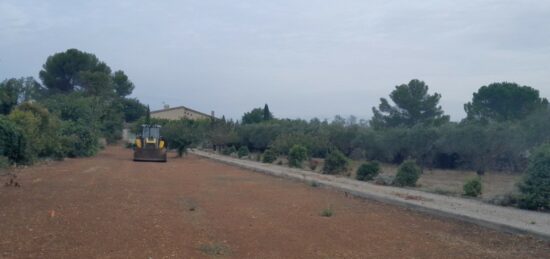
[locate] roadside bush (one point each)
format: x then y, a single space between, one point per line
184 132
269 156
317 145
4 162
79 140
508 199
472 187
535 186
335 162
229 150
313 164
42 129
296 155
12 141
181 144
367 171
407 174
243 151
384 179
28 124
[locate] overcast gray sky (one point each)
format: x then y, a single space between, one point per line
304 58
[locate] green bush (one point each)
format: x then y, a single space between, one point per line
181 144
535 186
367 171
12 141
296 155
229 150
243 151
472 187
407 174
327 212
317 145
78 140
335 162
188 132
4 162
41 129
28 123
269 156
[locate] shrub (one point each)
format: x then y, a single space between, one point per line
472 187
367 171
313 164
316 144
508 199
41 129
4 162
269 156
12 141
79 140
296 155
243 151
314 184
181 144
407 174
28 124
327 212
229 150
535 186
335 162
384 179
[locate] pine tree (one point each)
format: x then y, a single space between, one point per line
267 113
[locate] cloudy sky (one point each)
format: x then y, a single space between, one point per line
304 58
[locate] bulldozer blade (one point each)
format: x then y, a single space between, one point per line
150 155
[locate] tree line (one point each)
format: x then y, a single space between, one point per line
79 101
504 122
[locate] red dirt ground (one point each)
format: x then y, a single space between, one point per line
110 207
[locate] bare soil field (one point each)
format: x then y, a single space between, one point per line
110 207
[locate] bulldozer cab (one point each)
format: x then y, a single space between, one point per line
150 145
152 131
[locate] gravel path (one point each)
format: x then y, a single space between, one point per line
501 218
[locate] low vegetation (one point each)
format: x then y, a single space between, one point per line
215 249
407 174
336 162
269 156
229 150
243 151
472 187
4 162
327 212
535 188
367 171
297 155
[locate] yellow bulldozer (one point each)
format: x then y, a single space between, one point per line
150 145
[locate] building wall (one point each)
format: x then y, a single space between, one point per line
178 113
